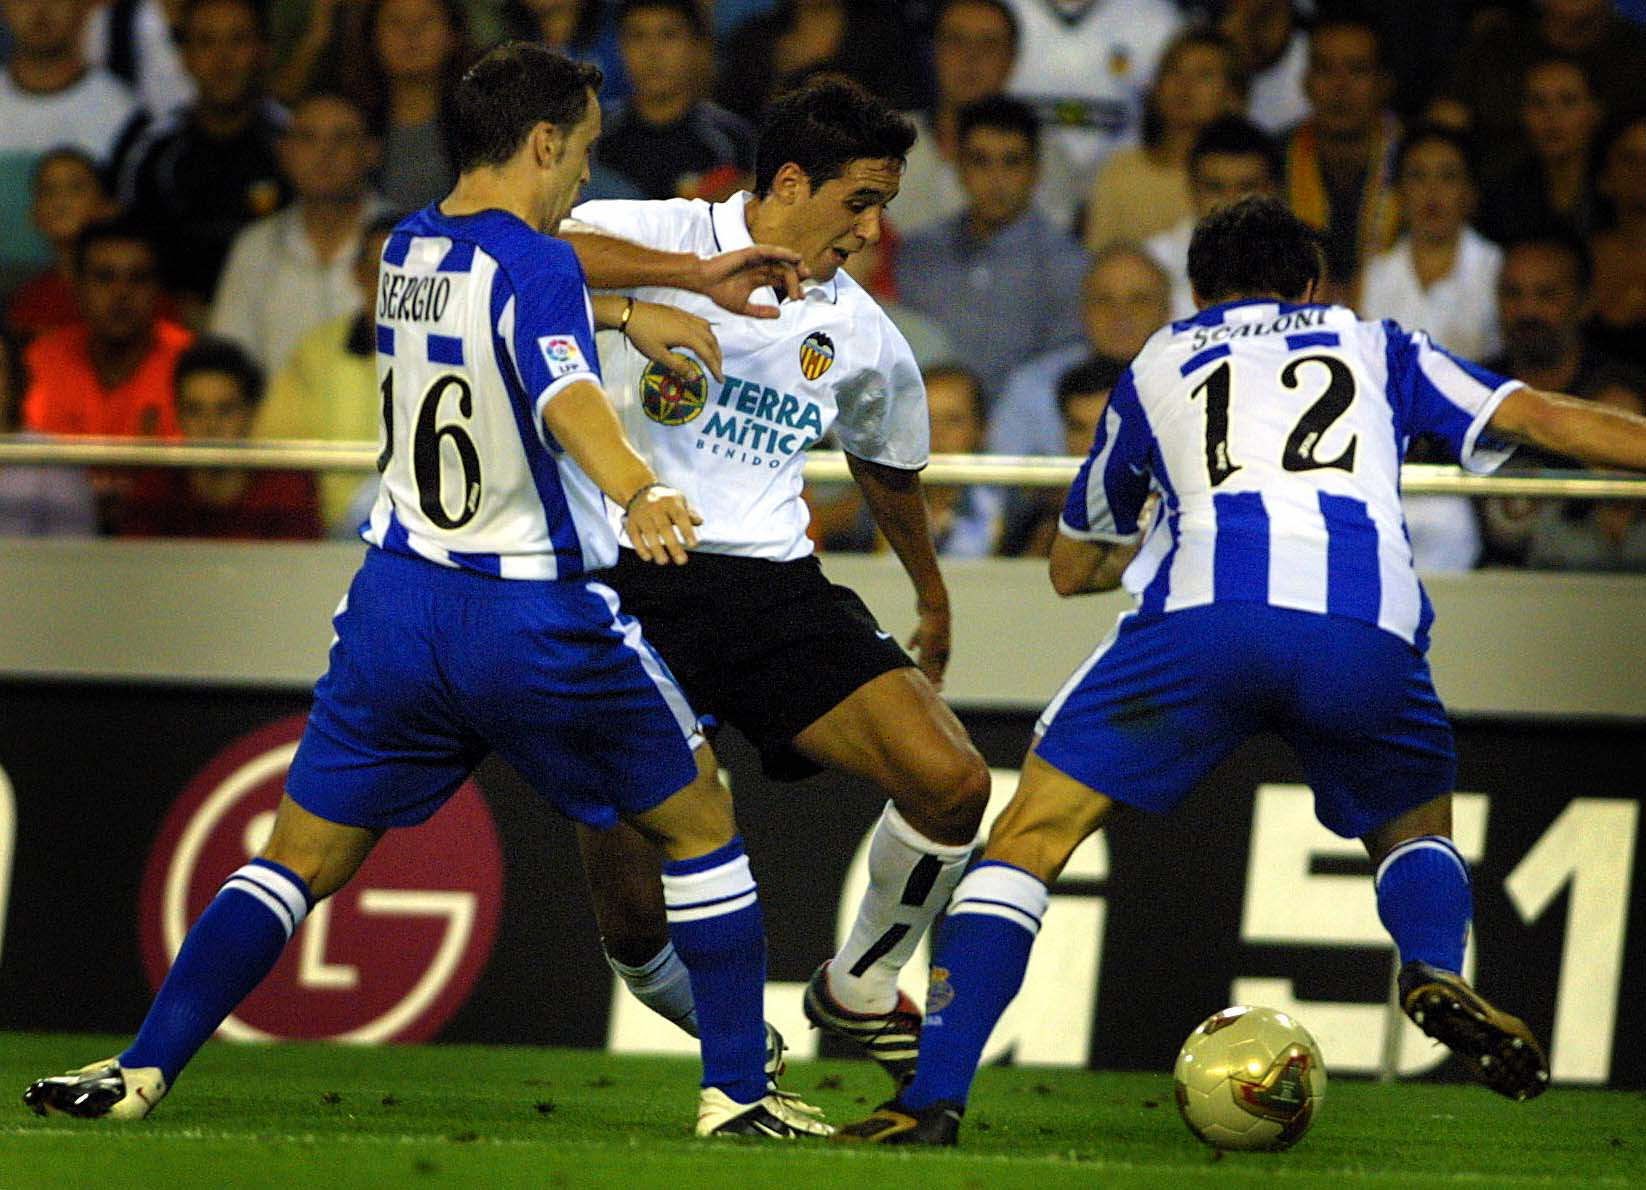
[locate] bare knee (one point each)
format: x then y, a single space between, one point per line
324 855
944 795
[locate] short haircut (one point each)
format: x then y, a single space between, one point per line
224 358
72 153
259 10
1434 134
1251 247
1557 237
1236 136
118 228
1351 20
972 381
1094 374
512 89
686 10
1577 65
822 126
1001 113
1014 27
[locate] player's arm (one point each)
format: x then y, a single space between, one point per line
1081 567
898 507
658 331
660 524
1100 530
1600 435
728 279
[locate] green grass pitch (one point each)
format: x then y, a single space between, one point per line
333 1118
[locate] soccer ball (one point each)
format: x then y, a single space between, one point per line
1249 1078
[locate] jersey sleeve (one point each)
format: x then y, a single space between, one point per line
552 339
1433 391
641 221
883 416
1113 483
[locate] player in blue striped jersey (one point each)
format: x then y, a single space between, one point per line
1244 486
473 626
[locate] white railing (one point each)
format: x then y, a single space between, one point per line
822 466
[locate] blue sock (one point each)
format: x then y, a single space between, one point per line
981 957
226 954
1424 900
718 931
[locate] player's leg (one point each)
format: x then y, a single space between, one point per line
895 731
228 951
983 950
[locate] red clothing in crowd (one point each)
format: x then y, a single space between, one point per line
276 505
66 397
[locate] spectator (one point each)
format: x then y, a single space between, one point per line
1231 158
871 267
580 29
974 46
1555 183
1144 189
204 172
1441 277
1620 251
1123 301
998 254
218 388
1543 296
1340 161
773 53
1573 535
69 193
327 388
111 373
309 38
409 57
38 501
1274 51
1485 89
291 271
1082 396
663 138
136 41
48 97
1086 68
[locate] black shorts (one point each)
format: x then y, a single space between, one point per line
769 647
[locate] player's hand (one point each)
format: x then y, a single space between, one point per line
657 331
661 525
930 641
730 278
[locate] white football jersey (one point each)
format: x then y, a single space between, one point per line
1274 434
736 448
480 321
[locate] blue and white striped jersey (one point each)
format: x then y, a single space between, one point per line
480 321
1274 434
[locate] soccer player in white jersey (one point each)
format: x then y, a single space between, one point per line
474 624
755 632
1275 593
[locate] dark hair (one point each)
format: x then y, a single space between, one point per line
220 357
1352 20
1434 134
824 124
365 80
1195 37
67 153
686 10
1094 374
1251 247
122 228
1237 136
258 8
512 89
1002 114
520 23
1556 58
1561 239
1013 25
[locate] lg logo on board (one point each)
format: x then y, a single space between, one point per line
391 957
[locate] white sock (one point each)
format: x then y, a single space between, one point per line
663 985
910 879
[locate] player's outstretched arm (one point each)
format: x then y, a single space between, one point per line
661 525
1082 567
899 511
728 279
1600 435
660 332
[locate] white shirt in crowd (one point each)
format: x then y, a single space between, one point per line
1170 249
1459 311
162 84
736 448
1274 97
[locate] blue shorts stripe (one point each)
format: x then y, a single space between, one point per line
446 349
1240 557
1354 581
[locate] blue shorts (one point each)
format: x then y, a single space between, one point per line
1167 697
434 667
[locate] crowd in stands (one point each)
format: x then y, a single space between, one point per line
194 195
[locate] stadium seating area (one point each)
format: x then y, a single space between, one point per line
200 188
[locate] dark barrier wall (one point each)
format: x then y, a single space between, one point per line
121 807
